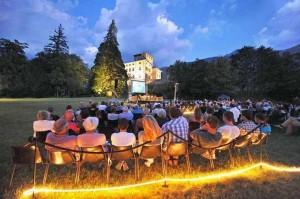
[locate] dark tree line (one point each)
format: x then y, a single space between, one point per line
56 72
248 73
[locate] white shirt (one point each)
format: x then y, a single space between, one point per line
236 113
102 107
123 139
91 139
112 116
127 115
42 125
229 132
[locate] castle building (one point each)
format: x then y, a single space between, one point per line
142 68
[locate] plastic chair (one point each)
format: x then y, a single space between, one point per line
61 158
179 149
153 151
128 154
244 142
261 142
24 155
92 158
227 147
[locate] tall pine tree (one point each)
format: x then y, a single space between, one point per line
58 43
109 76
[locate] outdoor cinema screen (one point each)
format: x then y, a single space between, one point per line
138 87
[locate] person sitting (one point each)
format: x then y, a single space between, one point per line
52 115
229 130
43 125
161 117
91 137
126 113
150 133
139 122
69 117
236 112
123 138
197 120
290 124
207 137
59 136
247 124
177 125
261 119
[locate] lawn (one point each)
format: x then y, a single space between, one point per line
16 116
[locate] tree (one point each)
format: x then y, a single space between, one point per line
108 73
58 43
13 63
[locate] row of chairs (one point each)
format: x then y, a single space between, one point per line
25 155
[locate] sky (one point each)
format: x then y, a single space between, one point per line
170 30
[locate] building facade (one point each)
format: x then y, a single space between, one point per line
142 68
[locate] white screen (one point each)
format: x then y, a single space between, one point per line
138 87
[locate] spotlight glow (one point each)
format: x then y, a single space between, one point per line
205 178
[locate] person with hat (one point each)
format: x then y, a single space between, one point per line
91 137
59 136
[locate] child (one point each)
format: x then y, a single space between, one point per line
261 119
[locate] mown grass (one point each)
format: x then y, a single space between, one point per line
16 116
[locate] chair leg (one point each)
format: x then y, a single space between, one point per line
77 175
12 175
46 173
163 166
249 154
188 163
108 172
231 157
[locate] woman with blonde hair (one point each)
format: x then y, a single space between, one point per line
150 133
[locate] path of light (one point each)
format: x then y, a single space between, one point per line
211 177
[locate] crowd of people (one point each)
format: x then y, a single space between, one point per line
206 123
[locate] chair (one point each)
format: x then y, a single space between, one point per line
261 141
41 135
92 158
61 158
244 142
225 146
24 155
127 154
153 151
179 149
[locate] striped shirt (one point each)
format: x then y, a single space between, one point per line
178 126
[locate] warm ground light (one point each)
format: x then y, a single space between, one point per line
16 118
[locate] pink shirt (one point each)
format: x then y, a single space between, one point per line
65 141
91 139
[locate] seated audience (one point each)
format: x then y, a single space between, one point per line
60 137
207 137
247 124
197 120
150 133
236 112
229 130
43 125
139 122
261 119
123 138
69 117
52 115
91 137
179 126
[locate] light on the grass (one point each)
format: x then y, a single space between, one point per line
201 179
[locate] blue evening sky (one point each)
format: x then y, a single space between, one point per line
168 29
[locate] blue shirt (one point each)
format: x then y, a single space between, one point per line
266 128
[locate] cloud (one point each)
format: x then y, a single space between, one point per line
144 27
283 30
33 21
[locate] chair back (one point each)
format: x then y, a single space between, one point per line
243 141
151 151
124 155
177 149
25 155
225 141
61 157
262 139
92 158
41 135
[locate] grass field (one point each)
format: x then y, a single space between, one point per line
16 116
